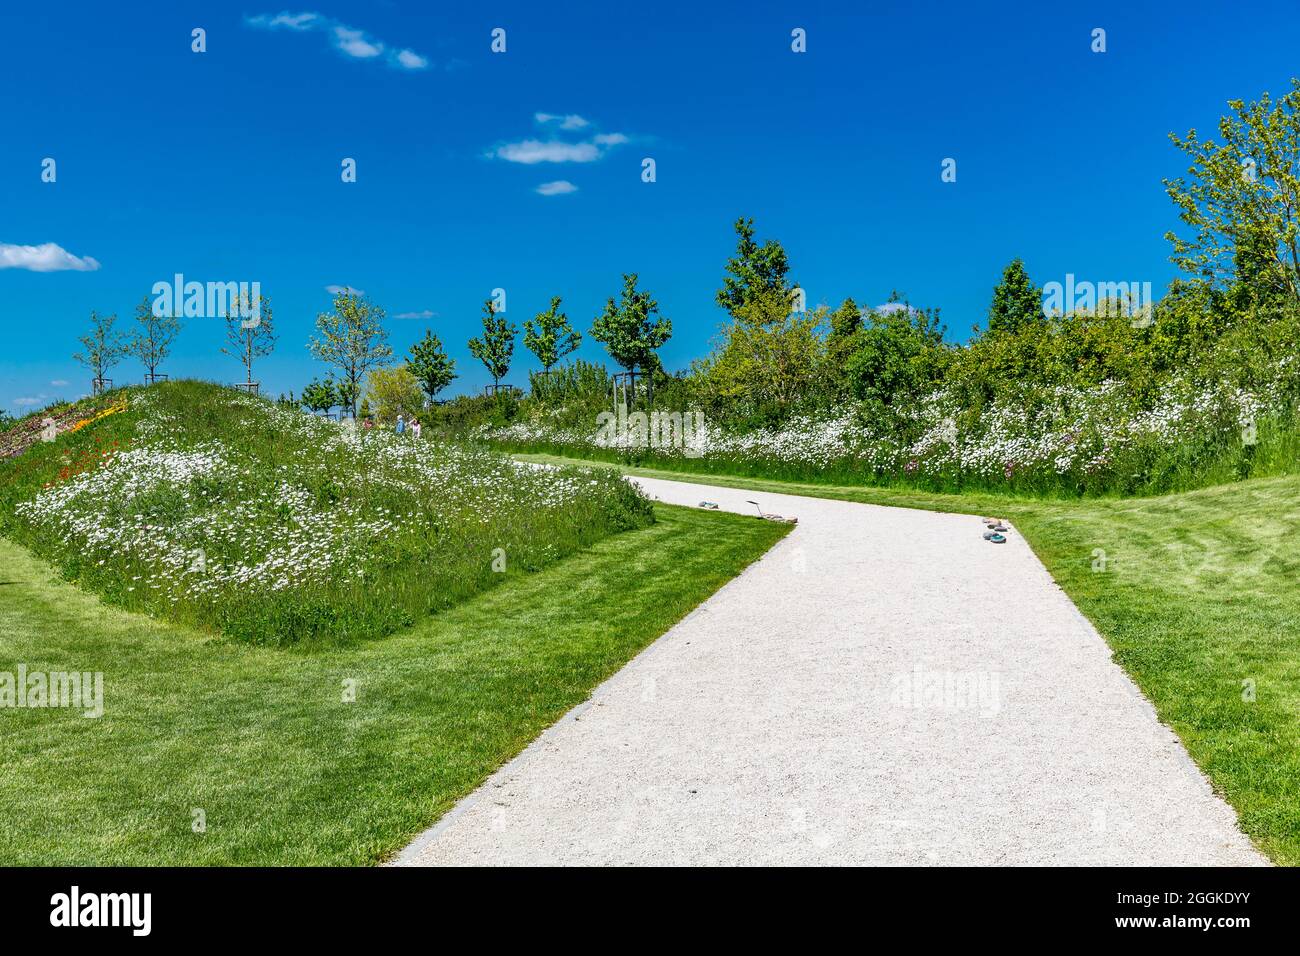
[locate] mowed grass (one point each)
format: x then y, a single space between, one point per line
1198 594
260 739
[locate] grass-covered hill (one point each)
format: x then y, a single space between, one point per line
210 507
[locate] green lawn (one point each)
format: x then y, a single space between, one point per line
260 739
1197 593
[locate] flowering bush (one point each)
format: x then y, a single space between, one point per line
277 527
1065 438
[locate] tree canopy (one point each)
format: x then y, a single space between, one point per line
631 329
549 336
497 346
430 365
352 339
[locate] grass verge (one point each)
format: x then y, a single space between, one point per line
260 740
1195 593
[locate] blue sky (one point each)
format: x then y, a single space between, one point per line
225 165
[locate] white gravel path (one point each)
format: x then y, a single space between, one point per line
801 716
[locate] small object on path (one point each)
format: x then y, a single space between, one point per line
764 514
996 538
711 505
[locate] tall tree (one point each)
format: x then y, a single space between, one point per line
1243 199
352 339
1017 302
249 331
497 346
767 360
551 338
104 348
430 365
755 270
629 329
152 341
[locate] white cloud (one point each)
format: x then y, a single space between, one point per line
354 43
348 40
558 188
411 60
291 21
46 257
337 289
530 151
27 401
422 314
555 149
59 382
567 121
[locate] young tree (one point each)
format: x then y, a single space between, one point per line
1243 201
251 337
754 270
104 348
430 365
497 346
1017 302
152 341
352 339
628 329
898 354
393 392
846 320
769 358
552 338
320 396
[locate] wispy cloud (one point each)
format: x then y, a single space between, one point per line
889 307
291 21
339 289
530 151
28 401
554 149
422 314
558 188
568 121
59 382
412 60
350 41
46 257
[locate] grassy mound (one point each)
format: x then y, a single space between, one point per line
219 509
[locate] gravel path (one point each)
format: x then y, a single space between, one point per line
883 687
